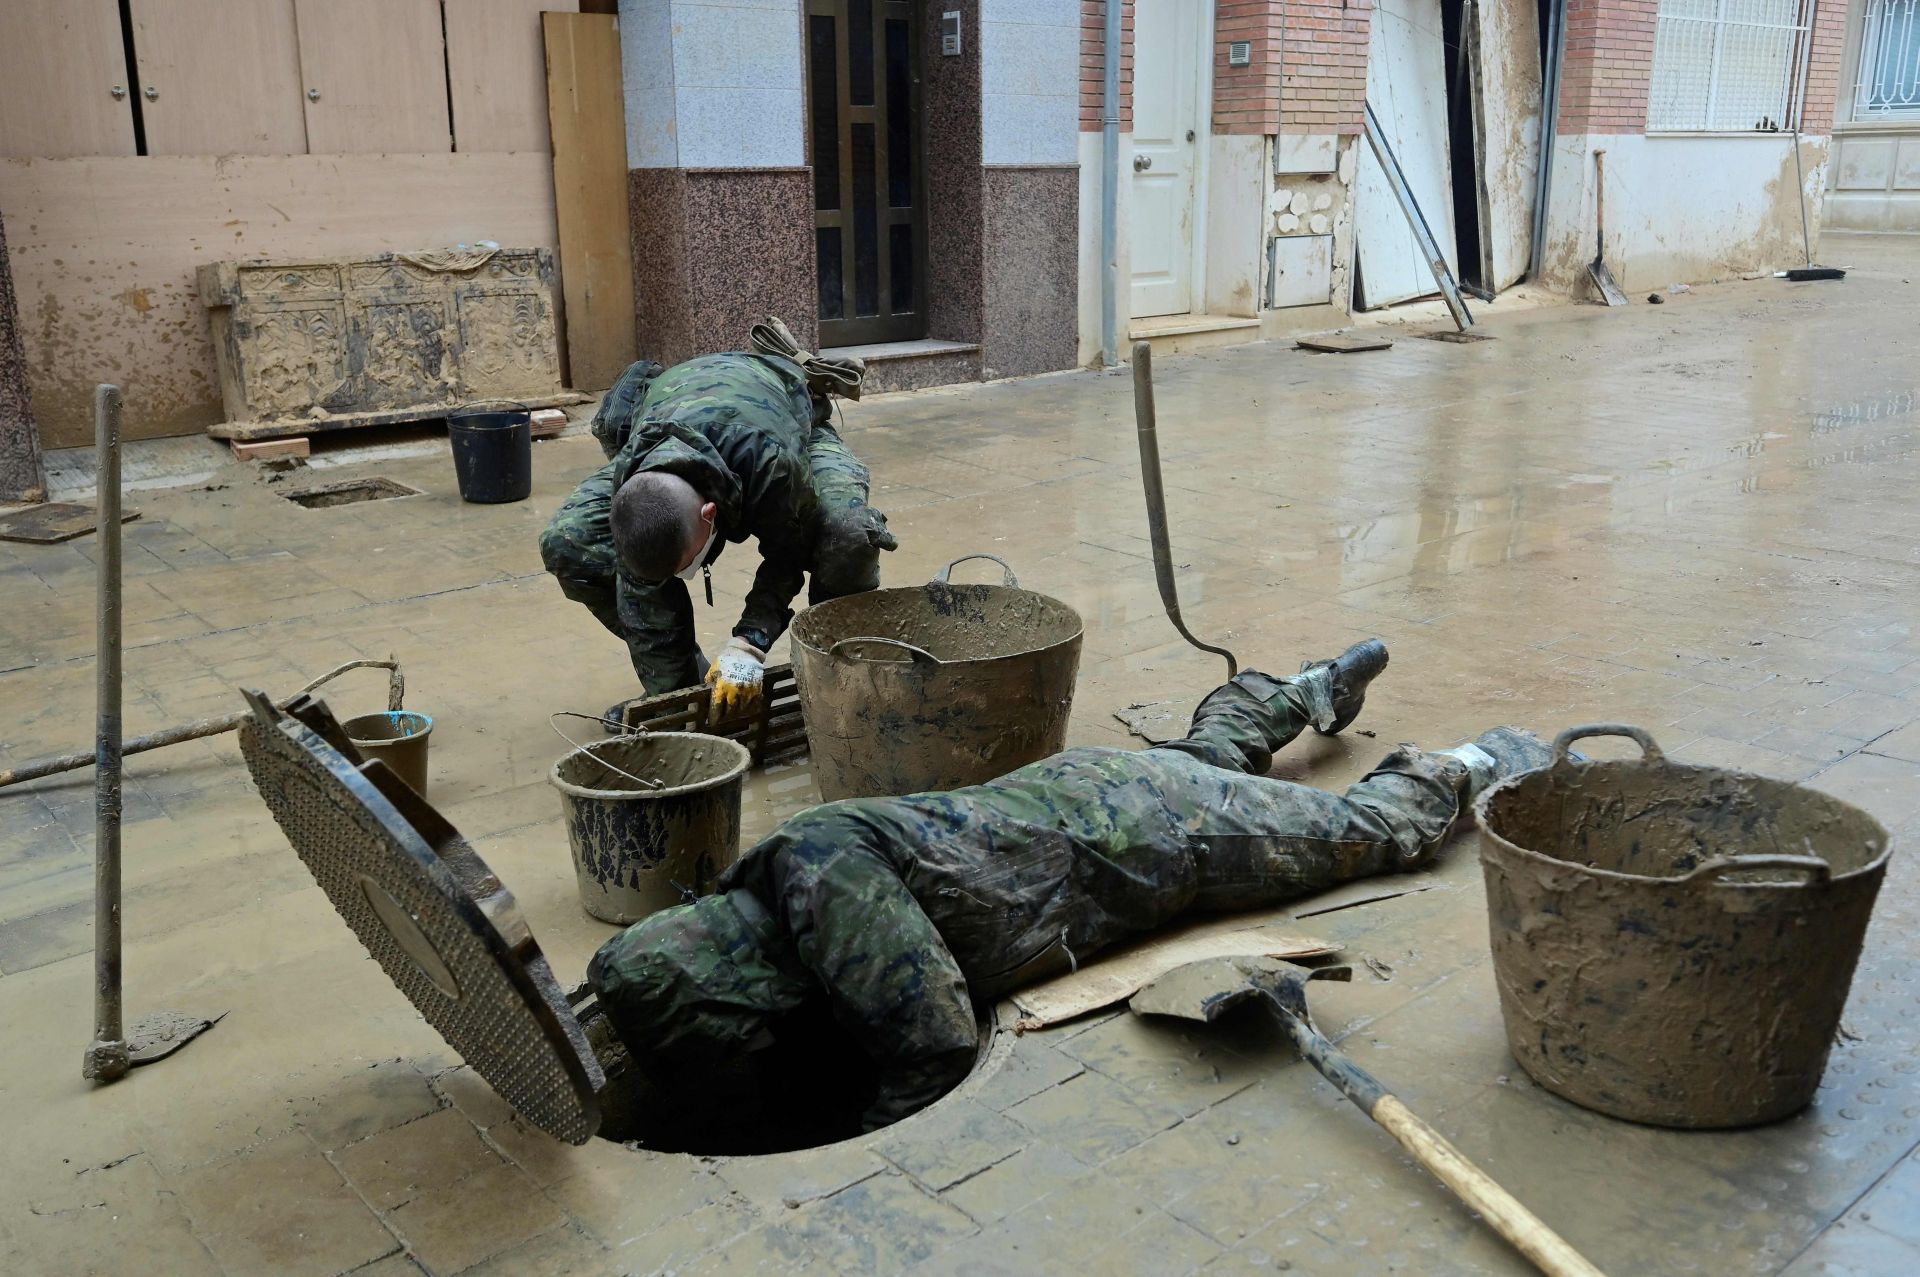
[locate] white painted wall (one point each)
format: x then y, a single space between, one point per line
1875 179
717 84
1681 209
1029 81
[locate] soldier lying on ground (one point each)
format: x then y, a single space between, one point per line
886 920
717 449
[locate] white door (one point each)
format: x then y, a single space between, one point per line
1505 35
1167 135
1407 89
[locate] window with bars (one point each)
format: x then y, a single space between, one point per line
1727 66
1889 79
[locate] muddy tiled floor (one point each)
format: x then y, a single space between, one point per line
1698 518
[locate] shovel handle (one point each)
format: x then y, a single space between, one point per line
1524 1230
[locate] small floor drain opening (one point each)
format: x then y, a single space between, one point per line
810 1086
349 492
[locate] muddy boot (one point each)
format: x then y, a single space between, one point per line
612 719
1352 670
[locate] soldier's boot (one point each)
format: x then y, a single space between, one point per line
1500 752
1350 673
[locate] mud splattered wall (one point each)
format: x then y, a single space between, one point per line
103 246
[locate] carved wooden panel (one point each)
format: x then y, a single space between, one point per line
316 345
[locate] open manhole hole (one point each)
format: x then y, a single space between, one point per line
349 492
805 1084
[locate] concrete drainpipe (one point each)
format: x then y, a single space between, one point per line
1110 190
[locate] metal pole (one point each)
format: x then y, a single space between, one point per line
34 770
1549 132
1146 422
106 1059
1436 260
1110 189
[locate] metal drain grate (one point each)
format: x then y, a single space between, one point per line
350 492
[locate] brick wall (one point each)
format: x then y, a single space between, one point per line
1323 79
1608 63
1247 99
1093 43
1823 66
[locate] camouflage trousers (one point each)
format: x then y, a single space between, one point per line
655 619
894 916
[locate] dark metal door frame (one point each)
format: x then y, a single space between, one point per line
870 241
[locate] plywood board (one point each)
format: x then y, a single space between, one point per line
226 77
1507 96
1116 976
496 76
379 68
104 252
588 115
54 521
60 61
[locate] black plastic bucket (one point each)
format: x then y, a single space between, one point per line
492 454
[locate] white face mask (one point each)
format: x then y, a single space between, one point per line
692 569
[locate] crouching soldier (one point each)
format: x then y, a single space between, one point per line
711 451
887 920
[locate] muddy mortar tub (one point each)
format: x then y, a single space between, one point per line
639 849
1674 944
935 686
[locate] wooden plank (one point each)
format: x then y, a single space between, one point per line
59 62
379 67
496 74
104 250
1507 94
587 111
227 77
1117 975
1343 343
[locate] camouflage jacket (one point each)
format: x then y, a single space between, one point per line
898 913
736 427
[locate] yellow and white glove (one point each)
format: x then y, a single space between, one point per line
736 678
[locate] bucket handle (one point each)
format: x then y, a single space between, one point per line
920 655
396 681
1564 740
626 733
1821 871
1007 578
473 406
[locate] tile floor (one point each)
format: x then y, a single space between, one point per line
1698 518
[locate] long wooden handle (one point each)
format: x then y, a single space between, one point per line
1526 1231
1549 1251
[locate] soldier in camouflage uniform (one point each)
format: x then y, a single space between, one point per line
750 433
894 916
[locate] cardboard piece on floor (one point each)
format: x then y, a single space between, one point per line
1343 343
54 521
1117 976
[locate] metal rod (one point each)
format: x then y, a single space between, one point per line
1110 188
39 767
1147 425
1549 133
1436 260
106 1059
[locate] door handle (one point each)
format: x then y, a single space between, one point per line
1141 163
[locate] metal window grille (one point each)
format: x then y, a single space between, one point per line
1889 78
1728 65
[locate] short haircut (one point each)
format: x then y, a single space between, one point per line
655 518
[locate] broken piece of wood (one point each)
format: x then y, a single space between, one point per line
1342 343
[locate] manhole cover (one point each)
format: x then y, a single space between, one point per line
350 492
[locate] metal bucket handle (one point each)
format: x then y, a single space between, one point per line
920 655
943 576
1821 871
396 681
1563 742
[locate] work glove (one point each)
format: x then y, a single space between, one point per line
736 678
